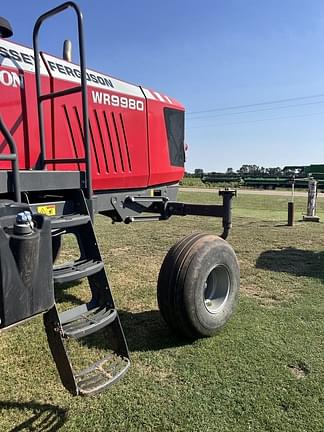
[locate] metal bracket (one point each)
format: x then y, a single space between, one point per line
131 209
227 195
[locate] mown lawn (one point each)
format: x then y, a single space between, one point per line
263 372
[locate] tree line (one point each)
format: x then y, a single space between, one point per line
247 170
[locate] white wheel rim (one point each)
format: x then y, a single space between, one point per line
216 289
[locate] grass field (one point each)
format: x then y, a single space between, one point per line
193 182
197 182
263 372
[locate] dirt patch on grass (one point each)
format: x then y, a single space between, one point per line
120 251
156 373
299 370
265 298
268 291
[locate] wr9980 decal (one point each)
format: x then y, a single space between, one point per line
117 101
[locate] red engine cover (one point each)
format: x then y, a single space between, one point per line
128 135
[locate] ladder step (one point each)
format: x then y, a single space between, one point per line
81 321
75 270
68 221
101 375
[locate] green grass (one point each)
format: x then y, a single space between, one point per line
263 372
192 182
198 183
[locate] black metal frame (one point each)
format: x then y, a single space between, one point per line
13 157
167 208
50 96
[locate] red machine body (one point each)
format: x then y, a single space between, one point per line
75 143
136 134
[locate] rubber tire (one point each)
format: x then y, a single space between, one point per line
181 285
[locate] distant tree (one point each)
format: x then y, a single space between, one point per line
229 171
244 169
189 174
255 170
199 172
262 171
249 170
275 172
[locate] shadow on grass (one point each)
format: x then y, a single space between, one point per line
144 331
62 296
44 417
295 261
147 331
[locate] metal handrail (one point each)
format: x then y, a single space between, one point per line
12 157
83 89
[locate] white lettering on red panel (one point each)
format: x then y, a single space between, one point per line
117 101
11 79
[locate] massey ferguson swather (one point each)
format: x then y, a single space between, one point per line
73 143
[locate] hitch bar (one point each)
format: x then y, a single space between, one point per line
131 208
174 208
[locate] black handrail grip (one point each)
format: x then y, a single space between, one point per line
40 20
13 157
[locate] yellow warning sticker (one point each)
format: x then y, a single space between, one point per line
48 210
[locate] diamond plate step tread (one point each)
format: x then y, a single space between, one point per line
101 375
72 271
80 322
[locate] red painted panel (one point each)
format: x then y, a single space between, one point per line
118 140
129 147
19 111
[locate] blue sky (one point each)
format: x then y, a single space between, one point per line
212 56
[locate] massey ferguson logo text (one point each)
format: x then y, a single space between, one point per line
11 79
75 73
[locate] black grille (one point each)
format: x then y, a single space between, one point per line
174 122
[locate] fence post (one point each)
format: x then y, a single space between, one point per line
311 202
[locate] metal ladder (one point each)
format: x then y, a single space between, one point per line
82 321
99 314
43 161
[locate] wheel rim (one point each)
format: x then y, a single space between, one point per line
216 289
